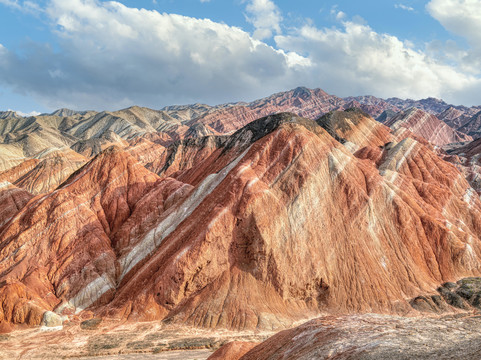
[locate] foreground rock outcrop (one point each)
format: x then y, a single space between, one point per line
372 337
465 294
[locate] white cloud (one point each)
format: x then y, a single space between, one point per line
11 3
357 60
265 16
337 14
114 56
403 7
463 18
340 15
24 6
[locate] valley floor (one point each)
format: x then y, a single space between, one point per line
169 355
368 336
151 340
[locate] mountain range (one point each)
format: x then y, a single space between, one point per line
244 216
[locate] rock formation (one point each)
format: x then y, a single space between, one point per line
467 158
473 126
370 337
426 126
247 216
244 231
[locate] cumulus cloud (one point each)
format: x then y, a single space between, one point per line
357 60
463 18
114 56
265 16
337 14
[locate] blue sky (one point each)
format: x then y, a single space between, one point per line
92 54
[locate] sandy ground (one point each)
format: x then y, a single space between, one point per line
169 355
113 340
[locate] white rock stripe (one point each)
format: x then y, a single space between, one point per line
154 237
95 289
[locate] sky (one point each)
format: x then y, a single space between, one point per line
107 55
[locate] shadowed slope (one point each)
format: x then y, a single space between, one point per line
61 240
271 225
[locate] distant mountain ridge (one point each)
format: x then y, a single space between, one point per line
378 105
80 135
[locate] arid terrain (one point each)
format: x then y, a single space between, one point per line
147 232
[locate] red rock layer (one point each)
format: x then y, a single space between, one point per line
254 252
300 101
183 155
12 200
60 242
233 350
16 172
48 174
427 126
274 224
355 129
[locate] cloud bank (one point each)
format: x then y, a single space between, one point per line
112 56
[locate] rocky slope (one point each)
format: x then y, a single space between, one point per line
454 117
370 337
426 126
90 132
473 126
214 240
467 158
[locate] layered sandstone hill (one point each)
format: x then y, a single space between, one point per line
473 126
455 117
366 337
426 126
86 133
300 101
282 220
467 158
12 200
372 105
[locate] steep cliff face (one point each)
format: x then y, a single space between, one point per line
285 218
